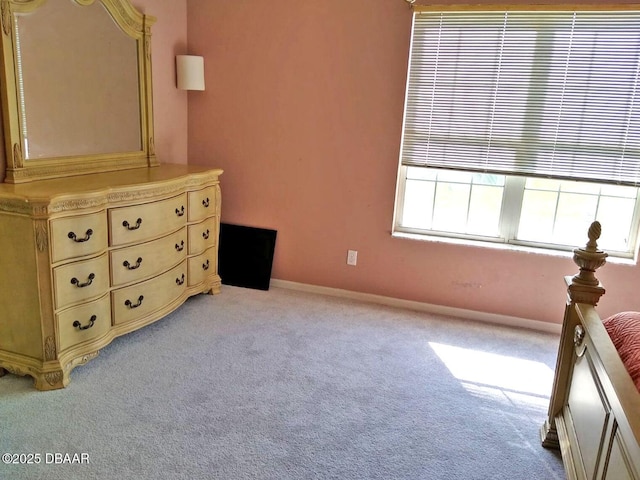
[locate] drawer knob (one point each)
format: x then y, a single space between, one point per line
205 266
126 225
76 282
180 280
205 235
180 247
87 236
130 304
79 326
180 211
128 266
205 202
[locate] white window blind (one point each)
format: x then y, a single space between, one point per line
551 94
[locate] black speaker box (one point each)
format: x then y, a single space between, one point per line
245 256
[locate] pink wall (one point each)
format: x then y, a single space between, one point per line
303 111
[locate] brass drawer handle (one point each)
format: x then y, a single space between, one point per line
126 225
79 326
180 247
180 281
73 236
205 266
76 282
129 304
205 202
180 212
205 235
132 267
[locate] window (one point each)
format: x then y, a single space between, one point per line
522 128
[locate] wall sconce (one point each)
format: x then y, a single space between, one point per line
190 72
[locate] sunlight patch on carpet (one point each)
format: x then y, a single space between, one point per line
483 371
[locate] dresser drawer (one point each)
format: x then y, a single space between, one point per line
202 266
136 301
78 236
130 264
139 223
79 281
203 235
84 322
202 204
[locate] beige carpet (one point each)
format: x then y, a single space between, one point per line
289 385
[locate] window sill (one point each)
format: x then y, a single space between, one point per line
465 242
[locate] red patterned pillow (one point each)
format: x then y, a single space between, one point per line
624 330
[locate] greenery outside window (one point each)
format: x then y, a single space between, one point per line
522 128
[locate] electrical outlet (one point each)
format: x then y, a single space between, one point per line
352 257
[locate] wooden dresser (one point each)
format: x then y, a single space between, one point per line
88 258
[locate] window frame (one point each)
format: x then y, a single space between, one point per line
510 213
514 188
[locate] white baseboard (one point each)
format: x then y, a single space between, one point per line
516 322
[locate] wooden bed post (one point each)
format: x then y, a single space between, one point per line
583 287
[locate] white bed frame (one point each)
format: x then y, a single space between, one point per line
594 411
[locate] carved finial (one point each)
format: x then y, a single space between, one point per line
590 258
595 230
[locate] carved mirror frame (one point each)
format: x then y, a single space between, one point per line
18 170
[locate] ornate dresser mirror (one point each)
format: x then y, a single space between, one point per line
98 239
77 94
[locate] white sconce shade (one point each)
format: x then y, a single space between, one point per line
190 72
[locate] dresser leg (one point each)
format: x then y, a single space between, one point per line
215 288
52 380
